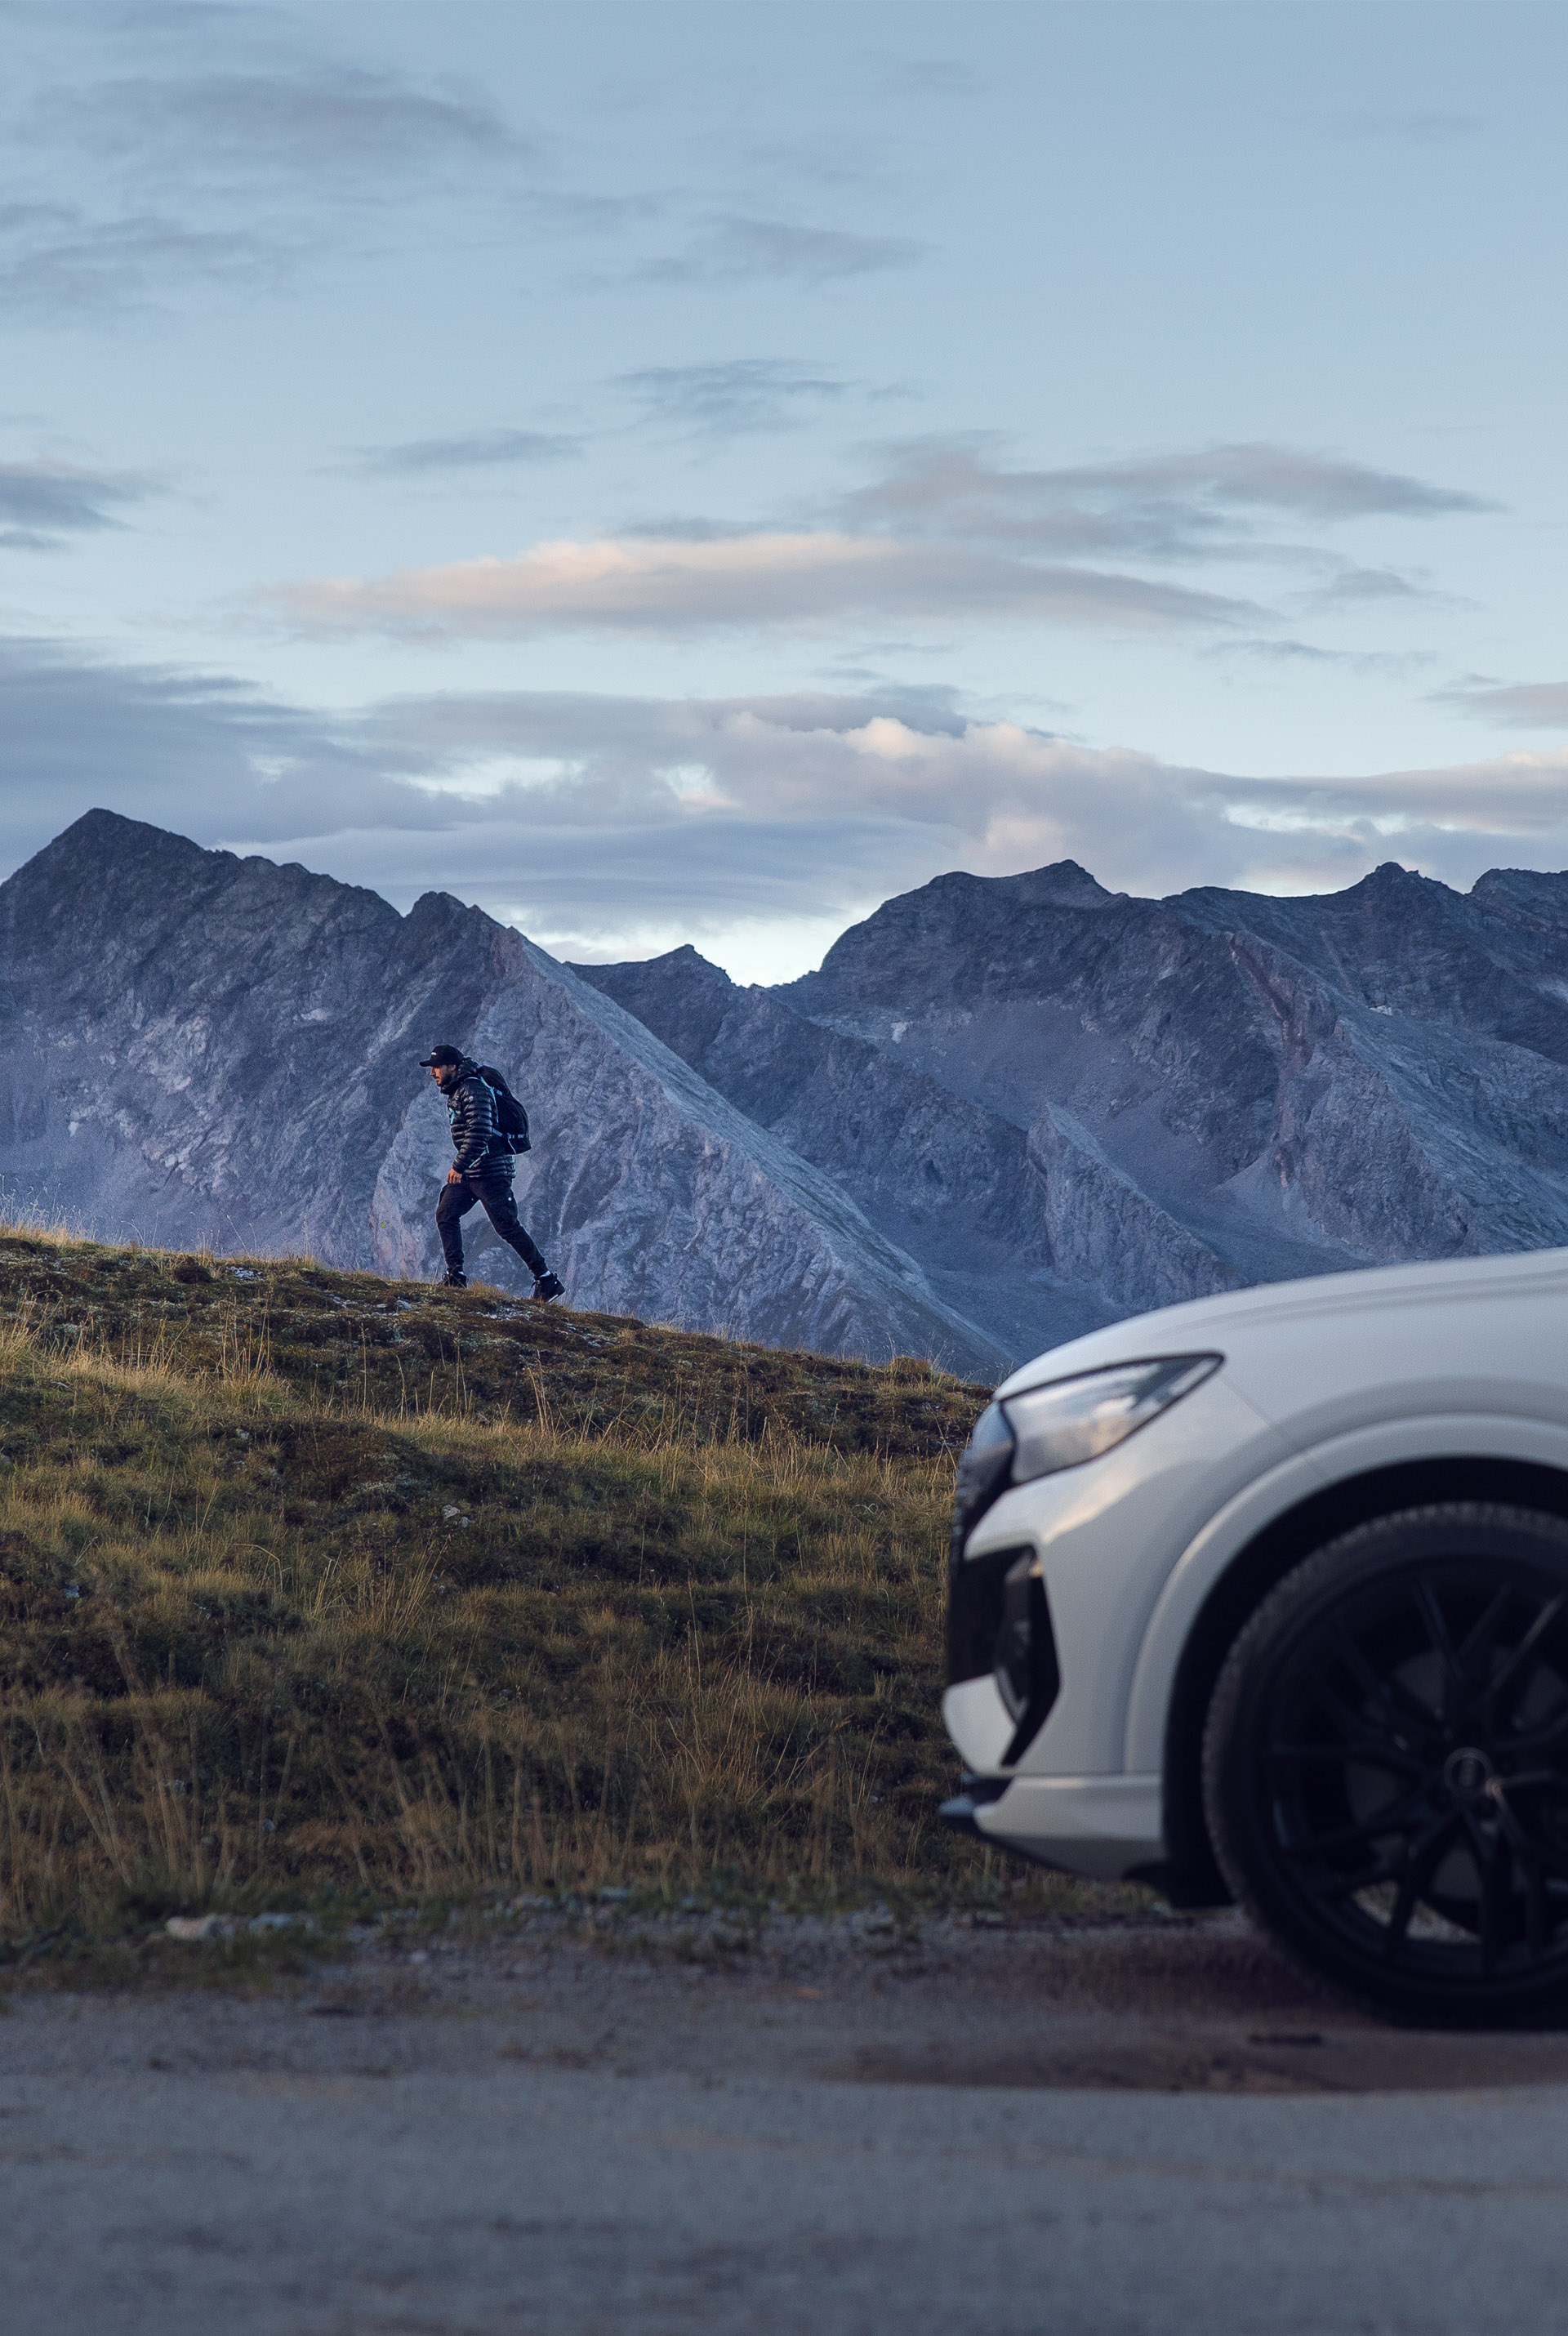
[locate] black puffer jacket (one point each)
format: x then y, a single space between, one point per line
471 1107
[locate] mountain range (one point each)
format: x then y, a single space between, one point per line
1005 1109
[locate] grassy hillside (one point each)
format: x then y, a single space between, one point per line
309 1579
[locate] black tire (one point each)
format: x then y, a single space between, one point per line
1385 1763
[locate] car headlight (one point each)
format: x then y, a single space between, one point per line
1061 1426
1073 1420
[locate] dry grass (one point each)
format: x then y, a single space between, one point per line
313 1582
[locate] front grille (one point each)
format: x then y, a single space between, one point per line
1000 1626
974 1593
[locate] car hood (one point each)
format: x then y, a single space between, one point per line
1446 1332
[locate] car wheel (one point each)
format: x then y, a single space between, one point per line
1386 1762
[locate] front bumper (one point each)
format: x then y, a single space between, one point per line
1102 1540
1105 1827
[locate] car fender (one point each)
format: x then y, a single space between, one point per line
1438 1435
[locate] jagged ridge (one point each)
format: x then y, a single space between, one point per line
1073 1104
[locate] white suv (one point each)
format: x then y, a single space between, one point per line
1266 1597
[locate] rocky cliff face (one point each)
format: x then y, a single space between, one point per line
946 1177
199 1049
1072 1104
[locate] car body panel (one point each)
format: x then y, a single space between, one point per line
1101 1826
978 1722
1446 1437
1322 1381
1289 1307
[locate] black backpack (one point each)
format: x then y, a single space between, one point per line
511 1119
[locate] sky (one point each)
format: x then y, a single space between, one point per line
678 472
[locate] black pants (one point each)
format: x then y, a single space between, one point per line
491 1188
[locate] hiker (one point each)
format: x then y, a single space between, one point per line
482 1170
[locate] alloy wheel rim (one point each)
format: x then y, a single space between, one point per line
1415 1772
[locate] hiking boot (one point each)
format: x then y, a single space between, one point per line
455 1281
548 1285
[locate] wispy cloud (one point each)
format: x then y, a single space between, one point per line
42 502
1354 588
717 811
1284 478
59 266
1182 505
325 120
733 396
661 585
1522 706
469 450
1284 650
945 534
235 177
732 248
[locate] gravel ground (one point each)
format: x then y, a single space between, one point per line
586 2122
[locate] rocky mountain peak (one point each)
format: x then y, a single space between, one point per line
1062 885
103 850
105 836
680 996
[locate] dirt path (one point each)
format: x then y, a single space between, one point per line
836 2130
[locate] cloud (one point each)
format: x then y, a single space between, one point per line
663 584
885 757
224 177
946 535
1286 651
41 502
1354 587
1280 652
59 266
734 248
471 450
1182 505
326 121
1287 479
735 395
1522 706
595 822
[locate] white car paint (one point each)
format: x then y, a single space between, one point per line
1322 1381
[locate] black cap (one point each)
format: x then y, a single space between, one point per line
439 1057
